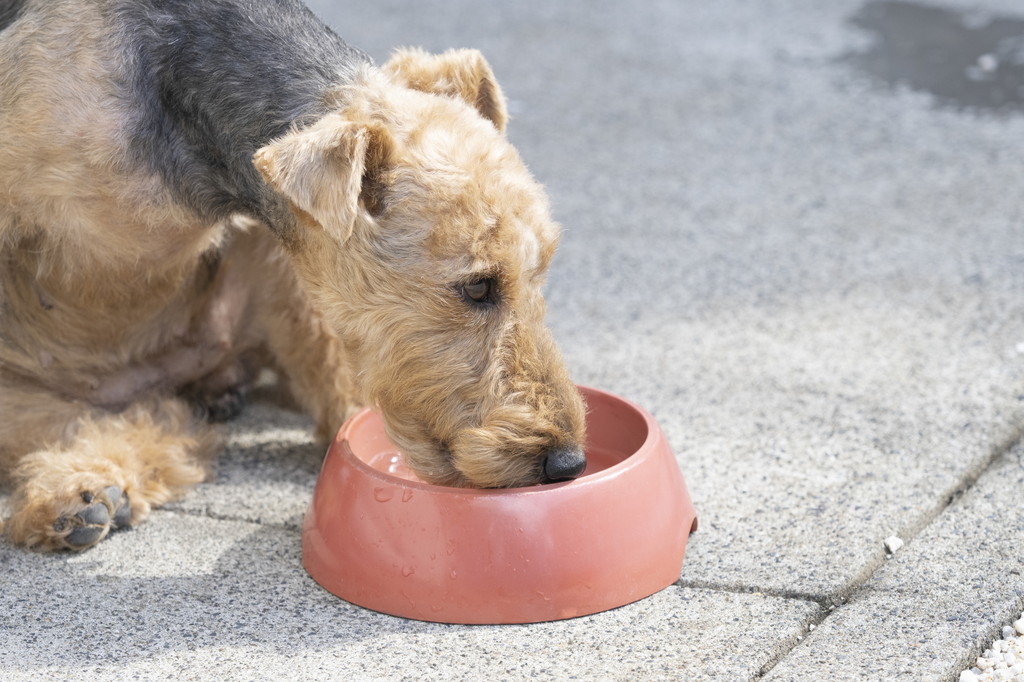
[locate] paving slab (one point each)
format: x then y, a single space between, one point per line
186 597
943 597
266 473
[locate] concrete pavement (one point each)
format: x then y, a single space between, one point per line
793 232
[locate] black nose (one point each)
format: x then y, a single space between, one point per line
565 464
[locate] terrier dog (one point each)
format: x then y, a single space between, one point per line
192 190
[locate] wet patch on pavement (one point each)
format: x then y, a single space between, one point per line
967 60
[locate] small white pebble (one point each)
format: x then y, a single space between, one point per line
1020 348
810 627
1004 659
988 62
893 544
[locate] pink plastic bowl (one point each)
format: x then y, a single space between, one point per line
379 538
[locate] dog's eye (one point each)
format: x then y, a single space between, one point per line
480 291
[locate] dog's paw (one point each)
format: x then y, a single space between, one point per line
102 513
75 522
222 407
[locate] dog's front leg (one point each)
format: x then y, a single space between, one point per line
313 358
108 475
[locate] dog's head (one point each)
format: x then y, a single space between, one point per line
424 241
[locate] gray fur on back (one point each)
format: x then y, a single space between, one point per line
9 11
208 82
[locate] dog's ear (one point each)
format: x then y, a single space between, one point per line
327 169
456 73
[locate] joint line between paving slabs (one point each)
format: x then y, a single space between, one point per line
915 527
820 600
790 643
829 604
970 479
218 516
824 604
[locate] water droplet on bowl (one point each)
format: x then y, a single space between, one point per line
397 467
406 495
383 494
407 571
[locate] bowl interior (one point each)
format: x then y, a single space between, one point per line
615 431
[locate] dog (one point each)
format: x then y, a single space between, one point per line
194 190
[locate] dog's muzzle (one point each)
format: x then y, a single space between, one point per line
564 464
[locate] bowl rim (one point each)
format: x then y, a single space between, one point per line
641 454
